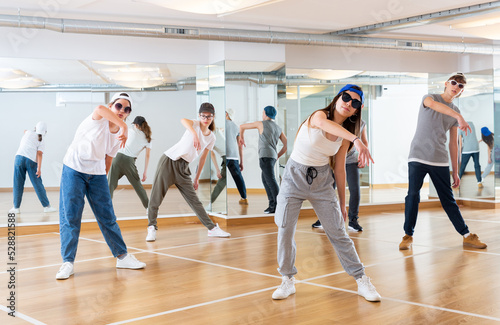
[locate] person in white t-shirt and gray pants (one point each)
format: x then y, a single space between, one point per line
173 168
139 138
29 160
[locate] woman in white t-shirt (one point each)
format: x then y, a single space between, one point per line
322 141
173 168
86 164
139 138
29 160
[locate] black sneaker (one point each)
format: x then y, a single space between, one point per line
317 224
354 225
269 210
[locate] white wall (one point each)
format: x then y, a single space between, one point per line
162 110
393 123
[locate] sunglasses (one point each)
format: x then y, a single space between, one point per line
127 109
454 83
206 117
355 102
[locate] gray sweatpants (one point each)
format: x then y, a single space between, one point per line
294 190
168 173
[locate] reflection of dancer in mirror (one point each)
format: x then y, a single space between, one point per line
233 159
173 168
322 141
428 155
487 137
469 146
139 138
29 160
86 164
352 166
269 133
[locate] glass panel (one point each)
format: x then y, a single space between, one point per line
476 106
251 86
217 98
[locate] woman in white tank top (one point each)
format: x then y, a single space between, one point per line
322 141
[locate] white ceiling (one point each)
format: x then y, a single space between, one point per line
312 16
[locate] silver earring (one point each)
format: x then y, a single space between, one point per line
353 122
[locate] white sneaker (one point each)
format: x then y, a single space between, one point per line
208 207
286 288
151 234
14 210
49 209
217 232
367 290
129 262
65 271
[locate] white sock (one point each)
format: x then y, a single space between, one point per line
467 235
122 257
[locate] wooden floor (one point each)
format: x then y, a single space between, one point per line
193 279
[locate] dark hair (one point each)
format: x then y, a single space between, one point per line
207 107
488 140
144 127
39 138
351 124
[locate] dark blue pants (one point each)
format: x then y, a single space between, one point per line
440 176
269 180
465 161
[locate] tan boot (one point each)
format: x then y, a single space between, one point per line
473 241
406 243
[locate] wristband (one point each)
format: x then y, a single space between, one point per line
356 138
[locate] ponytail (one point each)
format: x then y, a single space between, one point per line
144 127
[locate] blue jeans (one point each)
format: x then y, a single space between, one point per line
74 187
234 168
269 180
352 176
440 176
23 165
465 161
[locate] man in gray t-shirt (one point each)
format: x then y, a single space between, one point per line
428 155
269 134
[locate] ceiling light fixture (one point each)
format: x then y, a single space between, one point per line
212 7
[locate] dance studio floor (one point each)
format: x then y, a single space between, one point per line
193 279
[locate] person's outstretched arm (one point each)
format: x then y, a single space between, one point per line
214 160
319 120
146 164
443 109
340 178
39 156
284 141
248 126
201 163
188 124
104 112
240 150
364 139
453 146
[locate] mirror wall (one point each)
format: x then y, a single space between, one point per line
476 105
64 92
